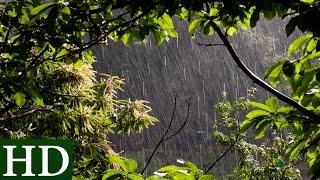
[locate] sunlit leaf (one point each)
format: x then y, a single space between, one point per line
65 10
297 43
259 105
273 73
131 165
272 104
19 98
257 113
206 177
193 25
40 8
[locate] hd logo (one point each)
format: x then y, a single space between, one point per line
36 159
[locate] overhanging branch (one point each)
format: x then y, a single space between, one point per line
310 114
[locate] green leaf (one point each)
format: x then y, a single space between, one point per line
12 13
127 38
314 170
208 29
131 165
312 45
36 97
19 98
65 10
294 150
24 19
41 8
297 43
246 124
135 176
193 26
38 100
303 86
259 105
78 64
213 12
158 37
231 30
118 160
257 113
167 20
273 73
112 174
272 103
261 128
154 178
307 1
281 123
207 177
184 13
171 168
88 56
62 53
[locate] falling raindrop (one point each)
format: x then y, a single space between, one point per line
165 61
207 126
198 99
143 90
204 93
184 73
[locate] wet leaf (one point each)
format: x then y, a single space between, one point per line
19 98
297 43
193 26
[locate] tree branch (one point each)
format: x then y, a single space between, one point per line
25 113
310 114
222 155
164 138
207 44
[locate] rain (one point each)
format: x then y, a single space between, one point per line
183 68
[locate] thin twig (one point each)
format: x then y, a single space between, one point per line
25 113
164 138
183 125
222 155
207 44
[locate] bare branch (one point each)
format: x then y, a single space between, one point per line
164 138
222 155
207 44
183 125
25 113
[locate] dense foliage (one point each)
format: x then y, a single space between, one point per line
48 88
263 160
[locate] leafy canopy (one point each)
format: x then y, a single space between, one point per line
45 65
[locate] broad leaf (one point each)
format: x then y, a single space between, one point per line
193 25
19 98
261 128
297 43
272 104
257 113
273 73
41 8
